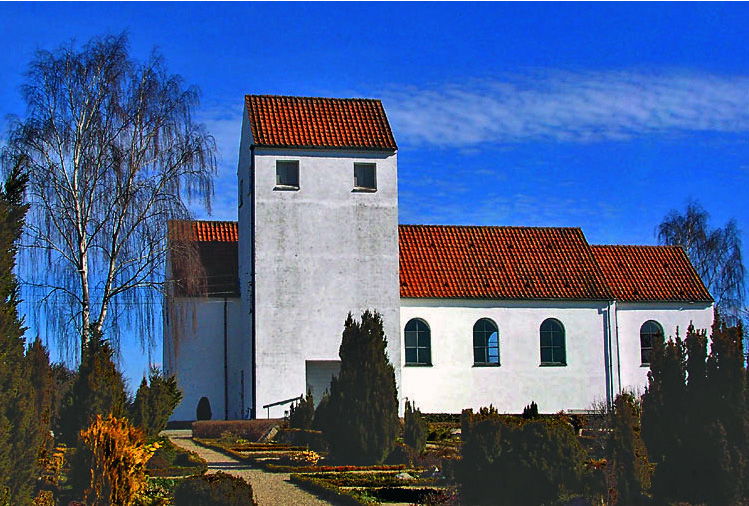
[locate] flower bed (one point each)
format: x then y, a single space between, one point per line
365 488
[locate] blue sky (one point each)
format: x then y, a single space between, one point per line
602 116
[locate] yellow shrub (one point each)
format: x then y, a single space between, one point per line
119 456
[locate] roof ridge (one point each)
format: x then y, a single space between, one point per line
520 227
660 246
298 97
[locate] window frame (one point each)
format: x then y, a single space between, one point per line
563 346
643 348
426 331
362 188
284 186
483 336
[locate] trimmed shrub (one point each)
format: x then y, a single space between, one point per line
170 460
501 456
203 411
414 430
251 430
218 489
313 439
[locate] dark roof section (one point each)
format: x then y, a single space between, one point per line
214 244
650 274
307 122
519 263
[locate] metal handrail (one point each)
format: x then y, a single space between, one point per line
279 403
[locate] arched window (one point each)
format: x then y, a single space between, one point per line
485 342
648 332
552 343
418 343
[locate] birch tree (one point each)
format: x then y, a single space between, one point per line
715 254
112 151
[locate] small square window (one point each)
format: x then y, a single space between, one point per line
365 176
287 174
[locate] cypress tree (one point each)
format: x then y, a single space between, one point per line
725 464
414 430
627 451
363 397
20 430
663 412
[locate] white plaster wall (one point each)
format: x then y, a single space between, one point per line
197 357
242 366
321 252
631 316
452 383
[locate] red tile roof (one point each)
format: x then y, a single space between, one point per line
650 273
197 230
517 263
498 263
305 122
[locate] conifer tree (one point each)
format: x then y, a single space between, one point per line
725 464
99 389
40 374
363 404
154 402
20 431
302 413
663 409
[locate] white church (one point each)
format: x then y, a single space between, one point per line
473 315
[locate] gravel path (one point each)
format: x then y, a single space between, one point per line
270 489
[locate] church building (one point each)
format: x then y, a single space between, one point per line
473 314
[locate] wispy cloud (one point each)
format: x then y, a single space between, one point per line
224 123
566 106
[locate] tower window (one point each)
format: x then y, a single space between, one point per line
365 176
287 174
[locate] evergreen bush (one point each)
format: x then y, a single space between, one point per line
203 411
219 489
98 389
362 422
154 402
518 464
414 428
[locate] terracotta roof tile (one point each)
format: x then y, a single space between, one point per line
202 231
650 274
306 122
519 263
